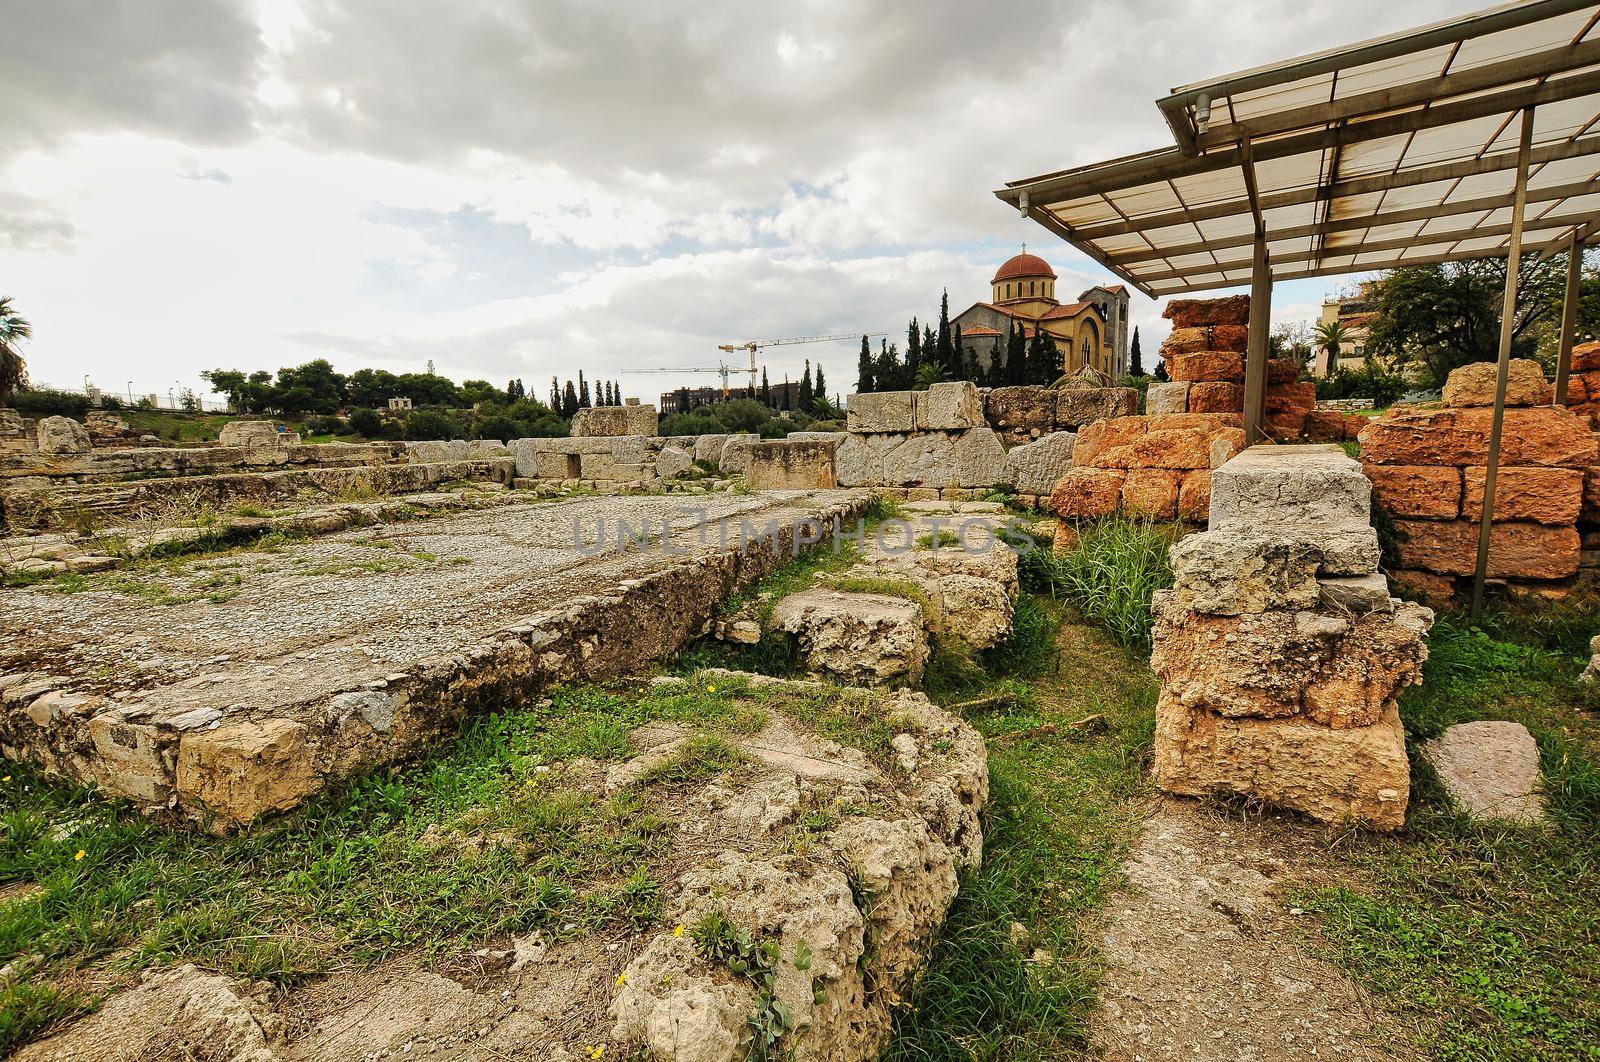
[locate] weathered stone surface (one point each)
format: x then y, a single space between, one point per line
1516 550
1077 406
1209 337
1207 366
1088 492
1332 425
1193 313
1033 468
1541 435
434 451
1538 495
1021 413
785 464
1226 443
1283 371
882 412
974 610
1216 397
735 453
1298 486
1103 436
61 435
1355 593
708 448
1194 496
977 459
254 433
1424 492
949 407
1151 493
1474 384
1490 768
1357 775
1435 591
859 460
604 421
674 461
1586 357
243 771
859 639
920 460
1230 572
1172 448
1172 397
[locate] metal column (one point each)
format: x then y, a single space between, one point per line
1508 311
1569 317
1255 365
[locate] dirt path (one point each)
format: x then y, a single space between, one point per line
1202 956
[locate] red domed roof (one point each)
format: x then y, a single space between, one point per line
1024 265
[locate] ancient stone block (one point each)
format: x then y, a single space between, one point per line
1290 397
1103 436
1194 496
1435 591
882 412
1424 492
1490 768
789 465
1205 337
922 460
1167 398
1331 425
1088 492
1020 413
1033 468
603 421
1225 443
1540 435
859 639
1216 397
859 460
1232 572
674 461
1151 493
1285 425
977 459
1207 366
1192 313
949 407
708 448
1474 384
1077 406
735 453
1539 495
1299 486
253 433
1516 550
61 435
1176 448
1282 371
434 451
242 771
1591 494
1355 593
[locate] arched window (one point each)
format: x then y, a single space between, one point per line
1030 287
1008 291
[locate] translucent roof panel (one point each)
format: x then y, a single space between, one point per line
1356 158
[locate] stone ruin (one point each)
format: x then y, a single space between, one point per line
1428 466
1280 651
1155 467
605 421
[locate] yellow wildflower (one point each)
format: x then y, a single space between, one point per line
79 857
678 932
597 1051
622 978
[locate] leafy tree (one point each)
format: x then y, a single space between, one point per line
477 392
367 422
1136 358
1016 355
435 423
310 388
784 400
1292 341
428 389
864 368
888 371
913 354
14 328
555 395
1331 336
228 382
371 387
930 373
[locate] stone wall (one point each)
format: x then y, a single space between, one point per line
936 439
1205 354
604 421
1427 469
1280 652
1154 467
793 463
1022 414
636 462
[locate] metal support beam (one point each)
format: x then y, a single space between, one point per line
1508 313
1569 316
1255 362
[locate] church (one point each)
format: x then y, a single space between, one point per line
1092 331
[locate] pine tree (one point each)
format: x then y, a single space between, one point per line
766 389
913 354
569 401
864 368
1136 360
819 389
806 392
1016 356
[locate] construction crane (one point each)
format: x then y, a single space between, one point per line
724 370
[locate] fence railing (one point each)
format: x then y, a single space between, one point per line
169 401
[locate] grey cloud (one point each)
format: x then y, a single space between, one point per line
213 175
29 225
169 67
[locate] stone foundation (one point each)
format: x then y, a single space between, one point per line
1154 467
1205 358
1280 652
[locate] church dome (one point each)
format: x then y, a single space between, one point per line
1024 265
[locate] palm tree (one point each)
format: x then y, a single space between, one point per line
14 328
928 374
1331 336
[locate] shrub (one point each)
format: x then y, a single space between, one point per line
1370 381
695 423
320 425
367 422
430 424
46 403
1110 576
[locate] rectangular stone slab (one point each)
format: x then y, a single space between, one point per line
333 656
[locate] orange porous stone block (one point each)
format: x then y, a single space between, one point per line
1097 439
1207 366
1085 492
1151 493
1282 371
1210 397
1194 496
1516 550
1541 435
1534 494
1205 337
1424 492
1193 313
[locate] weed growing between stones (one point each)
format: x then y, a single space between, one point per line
1487 935
718 939
1110 576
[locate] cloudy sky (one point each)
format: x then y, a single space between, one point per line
527 187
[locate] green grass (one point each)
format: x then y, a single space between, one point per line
1110 576
1487 937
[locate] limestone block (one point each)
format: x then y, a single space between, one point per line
1474 384
128 761
1490 768
1194 496
1228 572
1290 486
859 639
1206 422
1212 397
673 461
249 433
1021 412
1516 550
882 412
1173 448
1282 371
859 460
1151 493
1355 593
922 460
61 435
1192 313
1538 495
437 451
555 465
708 448
977 459
1167 398
479 449
1356 775
1424 492
787 464
598 466
242 771
1033 468
974 610
735 453
606 421
1225 337
1088 492
1207 366
1077 406
1104 436
1541 435
949 407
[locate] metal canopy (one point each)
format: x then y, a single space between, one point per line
1397 151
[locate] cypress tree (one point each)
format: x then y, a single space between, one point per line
569 401
864 368
944 351
913 354
785 396
930 354
820 388
806 393
555 394
1136 360
583 391
1016 354
766 389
